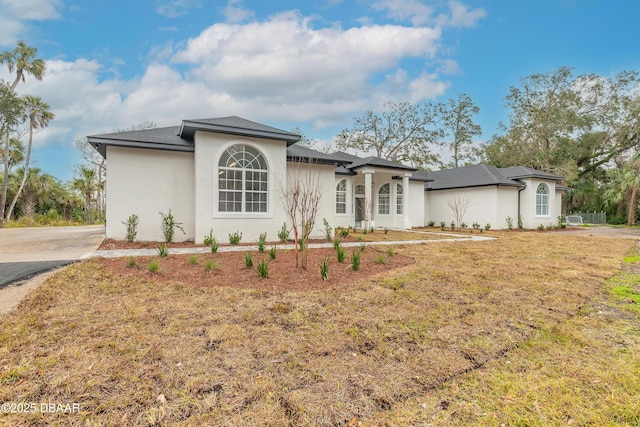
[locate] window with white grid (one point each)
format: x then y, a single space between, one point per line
242 180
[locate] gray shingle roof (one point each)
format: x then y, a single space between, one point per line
165 138
235 125
378 162
298 153
468 176
520 172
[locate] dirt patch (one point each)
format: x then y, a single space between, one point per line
230 269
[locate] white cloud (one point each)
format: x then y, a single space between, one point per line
234 12
419 13
176 8
14 16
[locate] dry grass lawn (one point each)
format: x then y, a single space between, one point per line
517 331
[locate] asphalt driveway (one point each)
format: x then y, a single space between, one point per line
25 252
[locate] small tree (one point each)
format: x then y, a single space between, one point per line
301 200
459 206
169 226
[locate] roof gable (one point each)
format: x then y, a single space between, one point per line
469 176
235 125
521 172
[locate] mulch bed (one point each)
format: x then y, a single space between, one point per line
231 271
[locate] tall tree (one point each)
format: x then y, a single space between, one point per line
457 118
38 116
625 186
10 114
403 132
23 60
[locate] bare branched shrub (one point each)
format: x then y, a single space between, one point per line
301 200
459 206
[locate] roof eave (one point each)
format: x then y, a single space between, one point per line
100 144
189 128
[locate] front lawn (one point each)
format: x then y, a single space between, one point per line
471 333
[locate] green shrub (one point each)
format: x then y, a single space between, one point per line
371 229
487 227
262 242
509 223
453 225
324 269
213 245
355 260
380 260
475 226
235 237
431 223
463 225
132 262
344 232
540 227
364 231
169 226
132 227
362 247
520 222
263 268
210 265
154 266
442 224
208 239
248 259
301 245
327 230
391 251
193 260
385 230
337 243
341 254
272 252
163 251
283 234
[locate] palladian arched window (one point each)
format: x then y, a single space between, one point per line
242 180
341 197
542 200
383 200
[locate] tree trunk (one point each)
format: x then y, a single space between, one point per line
631 210
24 176
5 183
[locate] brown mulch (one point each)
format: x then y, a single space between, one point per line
231 271
112 244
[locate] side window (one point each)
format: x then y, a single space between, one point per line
399 200
383 200
542 200
341 197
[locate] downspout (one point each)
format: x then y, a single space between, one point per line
520 191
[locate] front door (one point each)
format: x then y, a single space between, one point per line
359 211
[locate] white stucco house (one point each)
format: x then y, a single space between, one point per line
227 174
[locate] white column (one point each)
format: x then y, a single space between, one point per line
368 197
405 202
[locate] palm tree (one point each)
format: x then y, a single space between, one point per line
10 114
625 186
23 60
87 185
38 115
37 185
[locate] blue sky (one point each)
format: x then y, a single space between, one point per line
313 64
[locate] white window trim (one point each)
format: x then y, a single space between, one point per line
395 187
548 204
388 203
346 204
216 184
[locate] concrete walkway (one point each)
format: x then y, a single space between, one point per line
119 253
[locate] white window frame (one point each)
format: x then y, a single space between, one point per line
384 200
399 199
247 175
341 197
542 200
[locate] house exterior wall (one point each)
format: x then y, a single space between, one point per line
487 205
146 182
417 195
208 149
528 204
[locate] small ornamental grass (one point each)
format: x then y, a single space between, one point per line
262 242
208 239
341 254
272 252
324 269
356 257
391 251
154 266
380 260
133 263
193 260
248 259
263 268
163 251
213 245
210 265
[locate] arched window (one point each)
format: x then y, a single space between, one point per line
383 200
242 180
542 200
341 197
399 199
360 189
